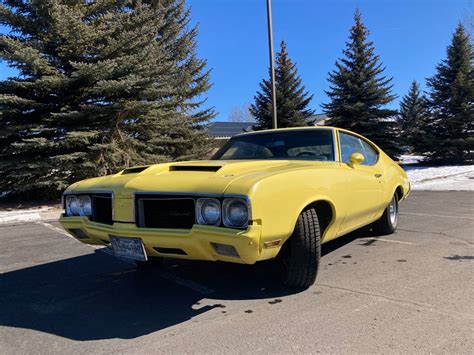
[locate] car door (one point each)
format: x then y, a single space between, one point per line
364 189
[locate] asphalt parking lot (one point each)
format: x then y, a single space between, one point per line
409 292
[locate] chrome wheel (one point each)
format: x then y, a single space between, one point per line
393 211
387 224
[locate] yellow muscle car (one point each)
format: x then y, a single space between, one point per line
267 194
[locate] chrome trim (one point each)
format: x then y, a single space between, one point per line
113 207
272 243
134 218
335 141
135 195
393 211
192 194
204 194
85 192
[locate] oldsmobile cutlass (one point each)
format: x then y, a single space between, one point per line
264 195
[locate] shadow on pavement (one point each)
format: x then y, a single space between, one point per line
96 296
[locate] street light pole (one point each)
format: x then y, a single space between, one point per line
272 67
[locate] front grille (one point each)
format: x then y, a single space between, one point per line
166 212
102 208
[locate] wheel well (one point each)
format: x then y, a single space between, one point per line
399 192
325 214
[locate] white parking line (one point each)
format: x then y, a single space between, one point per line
164 274
63 232
437 215
387 240
56 229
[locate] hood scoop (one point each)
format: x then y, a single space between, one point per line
135 170
204 168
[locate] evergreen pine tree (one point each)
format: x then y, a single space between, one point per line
100 86
451 100
359 92
413 119
291 98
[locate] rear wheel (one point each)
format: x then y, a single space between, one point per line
302 251
387 224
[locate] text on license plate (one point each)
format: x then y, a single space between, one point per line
131 248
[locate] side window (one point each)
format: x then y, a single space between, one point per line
370 154
351 144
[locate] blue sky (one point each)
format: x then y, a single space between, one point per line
409 35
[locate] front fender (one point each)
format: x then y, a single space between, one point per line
278 200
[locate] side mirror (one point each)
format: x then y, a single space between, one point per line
356 159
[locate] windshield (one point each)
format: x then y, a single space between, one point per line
314 144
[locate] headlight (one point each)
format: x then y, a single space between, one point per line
235 213
72 205
208 211
85 205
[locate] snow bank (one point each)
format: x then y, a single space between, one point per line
459 178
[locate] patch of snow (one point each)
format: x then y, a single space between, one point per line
27 215
458 178
9 217
411 159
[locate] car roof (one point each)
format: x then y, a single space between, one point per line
311 128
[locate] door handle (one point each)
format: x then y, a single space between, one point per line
378 175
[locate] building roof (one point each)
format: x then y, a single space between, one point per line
225 130
319 118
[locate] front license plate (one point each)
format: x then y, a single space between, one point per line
130 248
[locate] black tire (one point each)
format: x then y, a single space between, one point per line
302 251
387 224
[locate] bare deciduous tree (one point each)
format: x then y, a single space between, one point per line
468 20
241 114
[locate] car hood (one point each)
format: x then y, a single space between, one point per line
208 176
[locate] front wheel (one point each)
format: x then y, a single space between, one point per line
302 251
387 224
